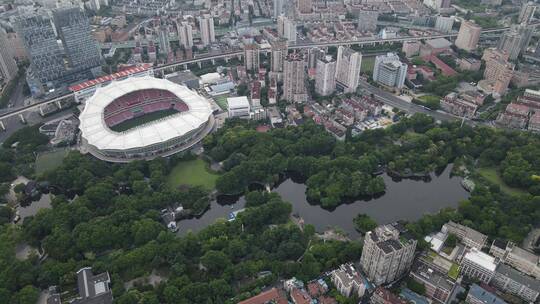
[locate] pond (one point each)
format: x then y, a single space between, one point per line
404 199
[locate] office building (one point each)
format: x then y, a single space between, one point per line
277 55
294 78
45 54
304 6
238 106
511 281
206 27
468 36
444 24
73 28
367 21
478 265
438 285
389 70
8 66
527 12
516 40
478 295
251 57
278 8
519 258
348 66
387 254
185 34
325 83
468 236
164 43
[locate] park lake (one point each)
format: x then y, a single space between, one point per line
405 199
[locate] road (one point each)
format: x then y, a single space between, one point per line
401 104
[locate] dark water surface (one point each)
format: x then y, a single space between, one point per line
405 199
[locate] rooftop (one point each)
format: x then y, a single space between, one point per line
484 296
119 75
480 258
265 297
238 102
519 277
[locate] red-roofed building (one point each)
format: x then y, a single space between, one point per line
446 70
384 296
300 296
278 296
85 90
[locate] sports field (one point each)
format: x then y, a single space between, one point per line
192 172
222 101
137 121
367 65
50 160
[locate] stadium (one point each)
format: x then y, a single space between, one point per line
143 118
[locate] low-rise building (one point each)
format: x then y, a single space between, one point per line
273 295
515 116
521 259
451 103
511 281
348 281
469 64
92 289
468 236
479 265
238 106
478 295
384 296
438 285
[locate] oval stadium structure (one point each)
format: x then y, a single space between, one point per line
115 123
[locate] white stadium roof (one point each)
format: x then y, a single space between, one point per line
98 134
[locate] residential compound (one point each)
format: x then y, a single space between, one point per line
523 113
498 72
348 281
348 69
387 254
294 78
325 83
389 70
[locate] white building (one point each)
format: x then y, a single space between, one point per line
325 83
238 106
348 67
289 30
8 66
389 70
479 265
206 26
444 24
468 236
294 78
387 254
348 282
185 33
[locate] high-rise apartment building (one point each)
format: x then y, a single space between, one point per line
278 8
498 72
468 36
8 66
325 83
185 33
348 67
251 57
315 54
304 6
387 254
515 40
278 54
73 28
527 12
289 30
294 78
444 24
367 21
164 43
206 26
389 70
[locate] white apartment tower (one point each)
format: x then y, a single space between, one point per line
185 33
278 54
325 83
387 254
251 57
294 78
348 67
206 26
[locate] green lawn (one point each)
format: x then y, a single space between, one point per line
367 65
492 176
49 161
137 121
192 172
222 101
454 271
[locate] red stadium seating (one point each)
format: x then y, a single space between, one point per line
152 100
